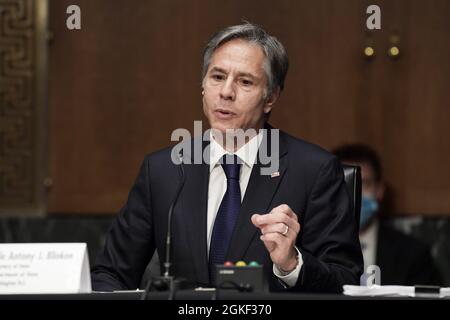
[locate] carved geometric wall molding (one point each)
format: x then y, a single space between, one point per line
23 83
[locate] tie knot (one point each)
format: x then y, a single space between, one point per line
231 166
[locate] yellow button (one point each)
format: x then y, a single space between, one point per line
368 51
240 264
394 51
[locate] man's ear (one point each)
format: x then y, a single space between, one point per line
270 101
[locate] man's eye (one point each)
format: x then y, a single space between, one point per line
246 82
217 77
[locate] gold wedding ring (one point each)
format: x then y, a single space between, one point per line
286 230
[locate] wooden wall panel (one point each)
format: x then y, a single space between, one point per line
408 104
23 112
131 75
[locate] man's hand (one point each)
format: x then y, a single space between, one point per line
279 231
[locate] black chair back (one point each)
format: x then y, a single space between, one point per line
352 176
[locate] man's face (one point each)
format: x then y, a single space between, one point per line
234 87
370 186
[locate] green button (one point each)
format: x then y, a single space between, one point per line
253 264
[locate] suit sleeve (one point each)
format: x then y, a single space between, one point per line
329 240
129 244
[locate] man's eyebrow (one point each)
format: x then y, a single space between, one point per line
217 69
241 74
247 74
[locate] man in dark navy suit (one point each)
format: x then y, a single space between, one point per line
402 259
291 214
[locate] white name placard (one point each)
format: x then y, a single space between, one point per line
44 268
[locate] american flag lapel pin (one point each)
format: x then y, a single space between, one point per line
275 174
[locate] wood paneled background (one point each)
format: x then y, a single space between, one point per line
23 107
131 75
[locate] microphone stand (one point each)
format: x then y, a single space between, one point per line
167 282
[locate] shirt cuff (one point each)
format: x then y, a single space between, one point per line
289 278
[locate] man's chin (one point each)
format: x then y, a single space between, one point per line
223 128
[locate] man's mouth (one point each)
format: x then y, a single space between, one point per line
224 113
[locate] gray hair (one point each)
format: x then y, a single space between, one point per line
276 64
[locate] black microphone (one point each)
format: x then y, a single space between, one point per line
167 282
167 262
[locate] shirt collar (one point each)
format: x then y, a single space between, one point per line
368 236
247 153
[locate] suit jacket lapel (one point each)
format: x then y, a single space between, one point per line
194 211
386 255
257 199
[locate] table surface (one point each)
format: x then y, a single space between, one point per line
199 295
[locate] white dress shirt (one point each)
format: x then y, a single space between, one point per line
218 186
369 240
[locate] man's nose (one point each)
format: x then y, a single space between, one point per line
228 91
